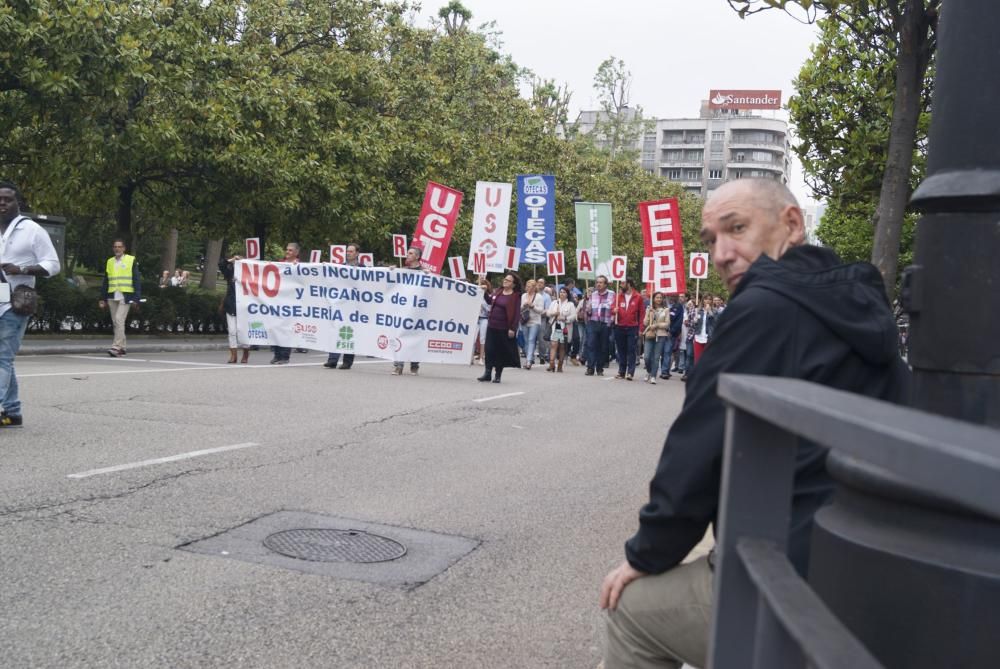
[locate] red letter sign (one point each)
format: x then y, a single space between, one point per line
399 246
457 270
556 262
584 263
699 266
661 234
315 256
253 248
513 257
436 224
618 266
479 263
338 253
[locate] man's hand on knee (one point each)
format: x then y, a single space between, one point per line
615 582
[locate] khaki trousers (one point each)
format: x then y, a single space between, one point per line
663 620
119 314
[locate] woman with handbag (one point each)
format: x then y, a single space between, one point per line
562 314
532 308
501 329
655 335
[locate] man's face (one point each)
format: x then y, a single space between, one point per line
412 257
738 228
291 253
682 298
352 253
118 248
9 207
541 285
602 284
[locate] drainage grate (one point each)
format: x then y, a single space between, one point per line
327 545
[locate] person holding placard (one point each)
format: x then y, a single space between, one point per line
352 258
412 263
629 312
501 331
562 315
600 314
282 354
656 336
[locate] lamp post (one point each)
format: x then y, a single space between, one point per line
915 579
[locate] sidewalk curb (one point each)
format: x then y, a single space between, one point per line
39 348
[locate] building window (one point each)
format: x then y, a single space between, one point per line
715 174
735 174
740 156
694 155
673 138
695 138
718 136
692 175
673 155
716 155
674 175
761 157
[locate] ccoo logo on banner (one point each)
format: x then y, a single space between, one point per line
536 217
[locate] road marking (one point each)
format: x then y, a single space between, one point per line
157 461
497 397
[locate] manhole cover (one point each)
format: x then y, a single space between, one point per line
325 545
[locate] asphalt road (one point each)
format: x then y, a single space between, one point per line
544 473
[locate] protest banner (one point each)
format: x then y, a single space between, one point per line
389 313
436 225
338 253
593 232
536 216
252 248
490 219
455 265
661 235
399 246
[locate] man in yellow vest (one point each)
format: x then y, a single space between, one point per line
121 290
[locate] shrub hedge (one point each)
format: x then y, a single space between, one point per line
65 308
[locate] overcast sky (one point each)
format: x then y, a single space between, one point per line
676 49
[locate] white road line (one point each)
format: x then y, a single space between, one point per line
157 461
497 397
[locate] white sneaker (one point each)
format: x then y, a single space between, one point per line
652 380
646 379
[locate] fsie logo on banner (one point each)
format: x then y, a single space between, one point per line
536 216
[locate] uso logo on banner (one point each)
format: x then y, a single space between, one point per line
436 225
536 216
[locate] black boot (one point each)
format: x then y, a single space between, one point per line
487 375
496 379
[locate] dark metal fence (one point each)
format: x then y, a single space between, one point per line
766 615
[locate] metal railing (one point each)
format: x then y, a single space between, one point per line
766 615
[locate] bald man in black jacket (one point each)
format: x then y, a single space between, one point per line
795 311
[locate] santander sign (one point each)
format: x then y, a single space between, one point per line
744 99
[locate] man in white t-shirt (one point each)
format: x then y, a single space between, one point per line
25 252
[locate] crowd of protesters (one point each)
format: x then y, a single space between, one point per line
659 334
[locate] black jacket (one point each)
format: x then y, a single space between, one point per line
805 316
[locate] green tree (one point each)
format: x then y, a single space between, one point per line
903 32
619 125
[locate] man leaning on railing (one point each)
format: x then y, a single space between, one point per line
796 311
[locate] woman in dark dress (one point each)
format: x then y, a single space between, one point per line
501 330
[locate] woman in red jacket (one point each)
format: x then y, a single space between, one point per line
501 329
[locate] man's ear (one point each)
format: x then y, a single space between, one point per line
794 222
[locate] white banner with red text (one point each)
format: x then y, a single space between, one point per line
396 314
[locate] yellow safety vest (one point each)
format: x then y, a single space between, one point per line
120 278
